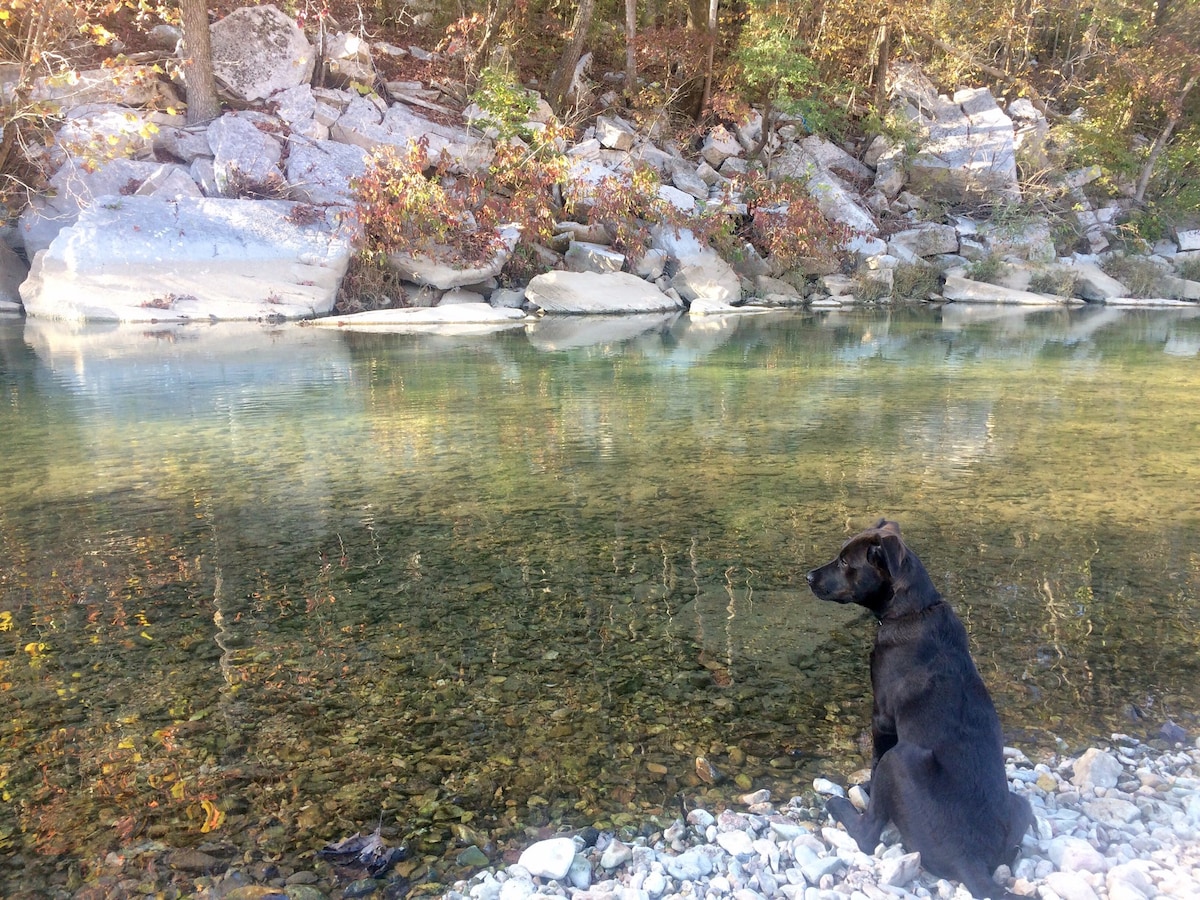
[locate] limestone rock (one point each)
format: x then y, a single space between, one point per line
928 239
258 50
549 859
1181 288
400 125
681 200
720 145
1094 284
833 158
583 256
444 273
348 60
72 189
900 870
615 133
701 272
1096 769
959 287
1033 241
131 85
140 259
12 272
183 143
92 133
968 152
1188 240
690 183
594 293
321 172
244 156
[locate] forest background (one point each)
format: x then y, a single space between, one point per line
1117 79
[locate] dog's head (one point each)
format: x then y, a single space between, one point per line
867 570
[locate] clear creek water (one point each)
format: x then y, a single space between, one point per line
274 585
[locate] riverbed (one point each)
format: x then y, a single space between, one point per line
264 587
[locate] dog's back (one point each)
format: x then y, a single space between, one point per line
938 768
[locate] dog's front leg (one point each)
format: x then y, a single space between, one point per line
883 737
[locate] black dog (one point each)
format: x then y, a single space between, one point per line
938 767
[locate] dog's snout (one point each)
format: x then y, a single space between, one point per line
811 576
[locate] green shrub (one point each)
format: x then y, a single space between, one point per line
990 268
1137 273
1188 268
507 107
872 287
1058 280
916 281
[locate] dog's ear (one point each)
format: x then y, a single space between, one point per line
890 553
888 527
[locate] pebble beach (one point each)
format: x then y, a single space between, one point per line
1120 822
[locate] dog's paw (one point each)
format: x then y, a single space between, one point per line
842 810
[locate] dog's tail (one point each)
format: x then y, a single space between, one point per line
1020 820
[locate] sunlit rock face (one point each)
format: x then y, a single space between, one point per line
141 259
595 293
258 50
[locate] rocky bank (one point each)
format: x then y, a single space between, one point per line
1119 823
250 216
1122 824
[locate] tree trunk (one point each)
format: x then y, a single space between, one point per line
1160 142
630 49
768 125
883 50
495 23
708 60
203 105
560 84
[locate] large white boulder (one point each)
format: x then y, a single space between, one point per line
965 290
701 273
363 125
258 50
139 259
321 171
1093 283
968 152
926 239
245 157
74 187
593 293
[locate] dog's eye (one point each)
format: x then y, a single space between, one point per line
841 562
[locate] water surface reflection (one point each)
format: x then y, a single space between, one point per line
264 585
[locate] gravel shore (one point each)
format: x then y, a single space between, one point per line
1121 823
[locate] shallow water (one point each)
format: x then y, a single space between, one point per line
272 586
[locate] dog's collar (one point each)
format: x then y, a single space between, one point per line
917 613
